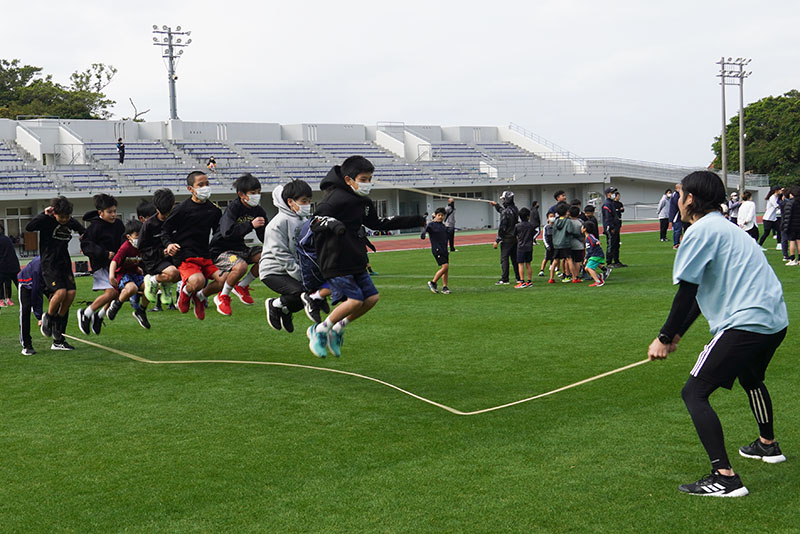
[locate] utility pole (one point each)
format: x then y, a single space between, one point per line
171 48
731 70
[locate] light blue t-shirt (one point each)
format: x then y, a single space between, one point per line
737 286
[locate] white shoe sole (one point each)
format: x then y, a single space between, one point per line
766 459
741 492
241 299
311 343
267 305
80 325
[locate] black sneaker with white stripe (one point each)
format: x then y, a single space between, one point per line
716 485
759 450
84 323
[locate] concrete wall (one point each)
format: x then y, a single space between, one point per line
470 134
8 129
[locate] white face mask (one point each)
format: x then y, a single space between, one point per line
203 193
253 200
363 188
303 210
135 242
550 220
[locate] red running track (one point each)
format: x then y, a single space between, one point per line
484 239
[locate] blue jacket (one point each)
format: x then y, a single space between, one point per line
30 277
610 219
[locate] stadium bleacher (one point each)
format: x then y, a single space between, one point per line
504 150
275 152
201 151
146 152
8 157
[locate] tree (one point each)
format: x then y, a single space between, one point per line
772 138
23 91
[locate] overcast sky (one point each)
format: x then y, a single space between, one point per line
617 79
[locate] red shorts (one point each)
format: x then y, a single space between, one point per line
192 266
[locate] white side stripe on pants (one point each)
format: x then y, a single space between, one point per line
759 407
704 355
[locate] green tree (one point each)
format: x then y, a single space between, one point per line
772 138
24 91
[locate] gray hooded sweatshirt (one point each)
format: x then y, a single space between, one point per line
280 241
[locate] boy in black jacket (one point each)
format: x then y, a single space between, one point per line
525 232
438 233
185 237
509 216
100 242
55 227
159 268
230 253
341 253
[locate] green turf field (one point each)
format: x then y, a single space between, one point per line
94 442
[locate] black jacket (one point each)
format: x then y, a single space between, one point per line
610 219
509 217
236 222
536 218
790 218
340 250
100 238
189 225
9 263
54 240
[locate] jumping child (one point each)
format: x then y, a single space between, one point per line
438 234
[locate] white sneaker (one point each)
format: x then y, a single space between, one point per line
778 247
792 262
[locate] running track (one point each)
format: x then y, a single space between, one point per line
485 238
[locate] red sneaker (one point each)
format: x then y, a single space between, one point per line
9 302
520 285
183 302
576 281
244 295
551 281
597 284
199 307
223 303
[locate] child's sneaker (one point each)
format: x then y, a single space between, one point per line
566 280
598 284
243 292
335 341
445 290
97 324
47 326
501 283
273 315
716 485
157 308
520 285
9 302
2 303
167 297
759 450
577 281
150 288
432 286
223 303
141 316
84 323
541 273
791 262
183 302
317 341
311 307
113 308
551 281
286 321
199 307
61 345
27 350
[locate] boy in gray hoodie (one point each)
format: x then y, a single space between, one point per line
278 267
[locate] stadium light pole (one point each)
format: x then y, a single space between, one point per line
171 49
731 70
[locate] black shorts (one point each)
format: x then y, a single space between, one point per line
738 354
524 256
157 267
577 255
442 257
549 254
58 278
562 253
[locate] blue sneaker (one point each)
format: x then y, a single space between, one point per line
317 341
335 342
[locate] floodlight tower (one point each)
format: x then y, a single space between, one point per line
729 71
169 43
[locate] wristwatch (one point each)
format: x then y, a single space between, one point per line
664 338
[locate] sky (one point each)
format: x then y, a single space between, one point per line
627 79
